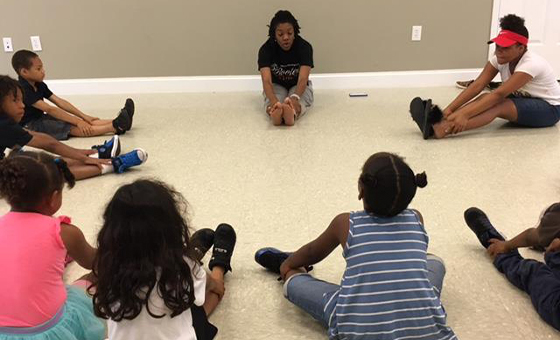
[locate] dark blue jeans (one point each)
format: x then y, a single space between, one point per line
540 280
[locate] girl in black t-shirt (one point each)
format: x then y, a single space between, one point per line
285 61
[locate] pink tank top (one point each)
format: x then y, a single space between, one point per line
31 266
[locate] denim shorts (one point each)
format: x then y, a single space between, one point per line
58 129
535 112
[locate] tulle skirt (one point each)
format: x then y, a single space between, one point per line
74 321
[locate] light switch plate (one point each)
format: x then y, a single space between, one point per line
36 43
7 43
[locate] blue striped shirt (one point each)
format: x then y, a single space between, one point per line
385 292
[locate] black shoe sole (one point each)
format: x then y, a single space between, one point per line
129 106
419 110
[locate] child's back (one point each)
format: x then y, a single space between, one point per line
390 288
180 327
32 263
34 301
385 291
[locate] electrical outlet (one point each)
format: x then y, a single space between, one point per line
416 33
36 43
8 46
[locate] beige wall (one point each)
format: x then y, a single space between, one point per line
139 38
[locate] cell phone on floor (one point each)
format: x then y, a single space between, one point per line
358 94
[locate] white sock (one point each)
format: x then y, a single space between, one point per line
106 169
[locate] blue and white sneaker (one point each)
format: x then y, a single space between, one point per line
130 159
109 149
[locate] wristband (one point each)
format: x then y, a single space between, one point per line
294 95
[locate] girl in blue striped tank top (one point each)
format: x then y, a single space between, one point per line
391 287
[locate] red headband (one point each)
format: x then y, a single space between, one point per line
507 38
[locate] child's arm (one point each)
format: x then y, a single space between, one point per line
77 246
45 142
315 251
60 114
68 107
528 238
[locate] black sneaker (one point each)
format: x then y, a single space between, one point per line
129 106
272 258
109 149
122 123
425 115
201 241
224 242
479 223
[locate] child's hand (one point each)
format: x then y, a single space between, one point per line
86 128
459 122
98 162
497 247
284 269
90 119
274 107
554 246
446 113
294 104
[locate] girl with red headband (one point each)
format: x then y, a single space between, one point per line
536 102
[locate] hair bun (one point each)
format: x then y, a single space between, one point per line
369 180
421 180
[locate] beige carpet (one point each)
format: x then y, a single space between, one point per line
282 186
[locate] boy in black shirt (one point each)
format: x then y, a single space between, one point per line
82 163
285 61
64 119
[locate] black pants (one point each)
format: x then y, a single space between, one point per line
540 280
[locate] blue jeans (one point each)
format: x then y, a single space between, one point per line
540 280
306 292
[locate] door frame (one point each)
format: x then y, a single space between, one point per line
494 24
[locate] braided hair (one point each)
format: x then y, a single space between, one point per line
389 184
26 178
282 17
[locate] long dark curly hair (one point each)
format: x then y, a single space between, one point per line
141 251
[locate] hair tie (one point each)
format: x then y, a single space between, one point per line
57 161
421 180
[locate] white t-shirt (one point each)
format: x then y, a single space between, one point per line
543 85
145 327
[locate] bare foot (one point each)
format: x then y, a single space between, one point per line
276 116
442 129
289 114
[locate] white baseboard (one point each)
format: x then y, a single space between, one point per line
253 83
